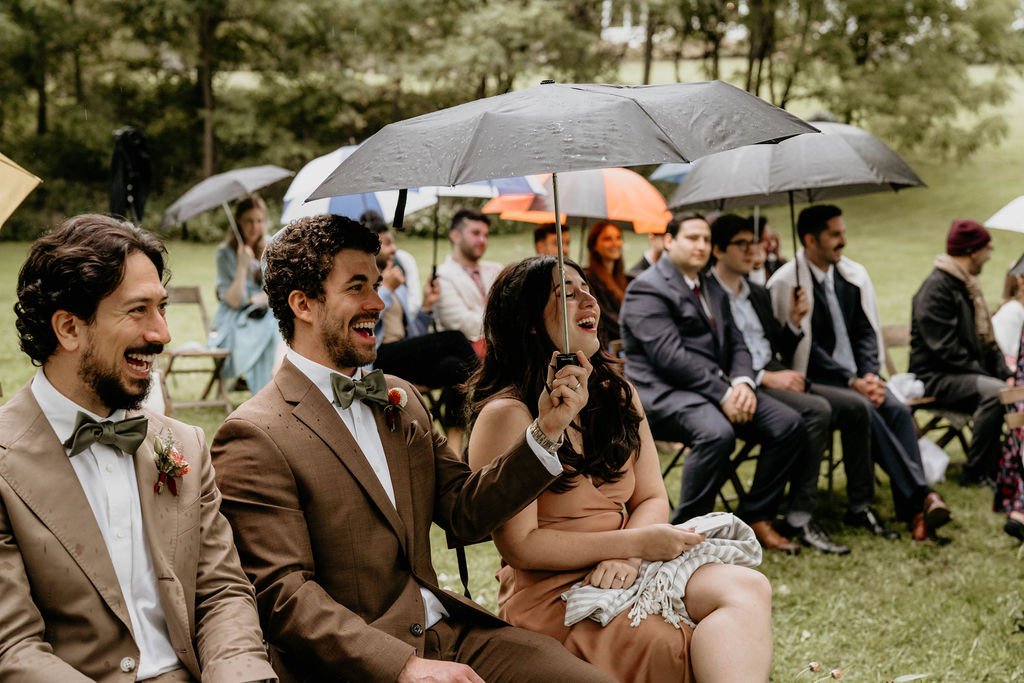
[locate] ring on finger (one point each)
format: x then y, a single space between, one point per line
578 385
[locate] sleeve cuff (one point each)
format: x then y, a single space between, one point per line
550 462
759 377
744 380
794 329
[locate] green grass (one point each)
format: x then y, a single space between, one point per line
888 609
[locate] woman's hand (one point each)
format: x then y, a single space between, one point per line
564 397
614 573
663 542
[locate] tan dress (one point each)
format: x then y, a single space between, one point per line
653 651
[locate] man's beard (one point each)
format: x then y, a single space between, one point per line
339 349
109 387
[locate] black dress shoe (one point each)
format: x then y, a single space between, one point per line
813 536
869 519
1014 528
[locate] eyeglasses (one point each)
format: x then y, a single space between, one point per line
744 245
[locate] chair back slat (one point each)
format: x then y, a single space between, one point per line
189 294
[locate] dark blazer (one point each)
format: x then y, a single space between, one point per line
336 567
782 339
674 356
943 339
863 338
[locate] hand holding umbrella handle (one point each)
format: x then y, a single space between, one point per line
563 359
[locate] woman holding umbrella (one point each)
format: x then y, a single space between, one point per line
243 323
607 276
607 512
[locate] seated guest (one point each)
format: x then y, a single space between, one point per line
332 479
695 379
115 562
1008 320
953 348
841 349
1009 496
773 259
408 349
545 240
466 278
241 323
606 276
655 248
607 513
822 409
375 222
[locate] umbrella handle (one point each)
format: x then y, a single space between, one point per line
234 226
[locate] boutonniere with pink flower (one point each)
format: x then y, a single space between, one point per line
170 463
397 400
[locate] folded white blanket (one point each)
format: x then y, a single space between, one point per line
661 586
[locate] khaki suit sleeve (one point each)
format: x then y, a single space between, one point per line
229 641
24 655
261 500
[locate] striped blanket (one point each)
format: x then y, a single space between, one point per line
661 586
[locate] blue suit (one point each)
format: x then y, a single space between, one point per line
682 363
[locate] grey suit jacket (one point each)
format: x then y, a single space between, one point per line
675 356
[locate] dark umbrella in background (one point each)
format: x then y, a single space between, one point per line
561 127
218 190
843 162
130 172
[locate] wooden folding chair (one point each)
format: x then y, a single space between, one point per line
744 451
191 353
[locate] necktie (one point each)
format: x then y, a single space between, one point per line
126 435
371 388
474 275
843 351
703 304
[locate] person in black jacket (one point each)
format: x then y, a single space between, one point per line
822 407
953 348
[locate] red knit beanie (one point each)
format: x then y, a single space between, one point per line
966 237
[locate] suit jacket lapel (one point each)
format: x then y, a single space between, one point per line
313 409
396 449
40 472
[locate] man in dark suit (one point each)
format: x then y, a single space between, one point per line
332 478
822 409
953 348
694 377
844 353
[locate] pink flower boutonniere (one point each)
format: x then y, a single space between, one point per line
170 463
397 400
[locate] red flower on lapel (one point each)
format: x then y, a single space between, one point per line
397 400
170 464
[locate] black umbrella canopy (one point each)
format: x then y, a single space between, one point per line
560 127
843 162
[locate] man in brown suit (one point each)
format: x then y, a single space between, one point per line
103 577
332 504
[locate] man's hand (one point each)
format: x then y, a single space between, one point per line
392 276
564 396
431 293
419 670
741 404
871 387
798 306
783 380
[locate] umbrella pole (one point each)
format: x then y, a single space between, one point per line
437 238
757 223
583 239
564 358
792 225
234 226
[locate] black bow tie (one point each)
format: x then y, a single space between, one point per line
371 388
126 435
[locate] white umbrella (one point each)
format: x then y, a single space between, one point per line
1010 217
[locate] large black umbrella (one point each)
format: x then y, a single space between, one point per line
843 162
559 127
219 189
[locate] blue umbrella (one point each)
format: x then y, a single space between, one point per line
671 172
352 205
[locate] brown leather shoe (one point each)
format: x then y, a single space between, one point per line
770 539
919 529
936 513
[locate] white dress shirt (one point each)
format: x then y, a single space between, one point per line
107 475
358 418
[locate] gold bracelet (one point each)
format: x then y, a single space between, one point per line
543 440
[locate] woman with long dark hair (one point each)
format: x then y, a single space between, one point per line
607 276
607 513
243 322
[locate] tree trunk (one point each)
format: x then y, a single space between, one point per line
207 28
40 83
649 47
76 57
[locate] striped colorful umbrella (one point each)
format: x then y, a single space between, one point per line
615 194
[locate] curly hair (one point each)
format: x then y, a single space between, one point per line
515 366
301 257
72 268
